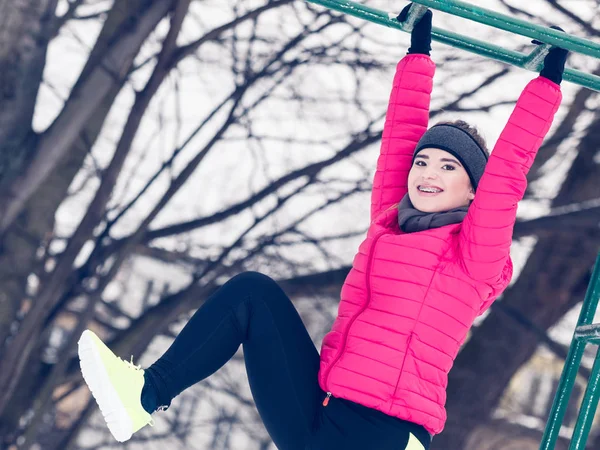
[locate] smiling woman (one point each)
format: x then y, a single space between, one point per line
443 177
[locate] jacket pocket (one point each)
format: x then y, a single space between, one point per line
408 342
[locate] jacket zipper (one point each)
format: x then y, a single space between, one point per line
343 347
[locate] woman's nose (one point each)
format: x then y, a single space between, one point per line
429 174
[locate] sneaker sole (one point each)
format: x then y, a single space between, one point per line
97 379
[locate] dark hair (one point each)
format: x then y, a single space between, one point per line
471 130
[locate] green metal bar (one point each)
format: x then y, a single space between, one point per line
588 409
569 373
443 36
535 59
514 25
582 79
525 61
415 13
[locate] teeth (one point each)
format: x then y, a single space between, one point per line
426 189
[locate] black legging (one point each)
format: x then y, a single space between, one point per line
282 364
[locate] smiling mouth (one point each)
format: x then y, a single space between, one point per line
429 190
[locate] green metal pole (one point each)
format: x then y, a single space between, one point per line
514 25
530 61
567 378
588 409
446 37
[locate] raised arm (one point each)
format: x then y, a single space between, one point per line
486 233
406 118
405 122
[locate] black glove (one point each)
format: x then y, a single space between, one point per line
554 62
420 37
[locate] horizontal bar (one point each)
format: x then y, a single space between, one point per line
459 41
514 25
582 78
415 13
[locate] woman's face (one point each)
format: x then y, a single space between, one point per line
440 173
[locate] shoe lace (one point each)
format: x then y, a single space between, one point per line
160 408
131 365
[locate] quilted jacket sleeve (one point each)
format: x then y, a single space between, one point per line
486 233
405 122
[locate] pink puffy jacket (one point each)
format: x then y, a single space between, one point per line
410 298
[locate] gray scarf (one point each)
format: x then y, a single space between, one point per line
411 219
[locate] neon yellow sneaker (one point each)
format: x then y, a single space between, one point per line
115 384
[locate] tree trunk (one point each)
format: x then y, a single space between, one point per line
24 35
552 282
25 31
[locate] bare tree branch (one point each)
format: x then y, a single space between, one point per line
60 136
562 132
587 26
359 143
568 219
189 49
68 15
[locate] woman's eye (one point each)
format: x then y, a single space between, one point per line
419 163
449 167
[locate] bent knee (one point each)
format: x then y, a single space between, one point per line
253 280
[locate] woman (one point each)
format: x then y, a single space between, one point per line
436 255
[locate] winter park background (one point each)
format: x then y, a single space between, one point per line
164 146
